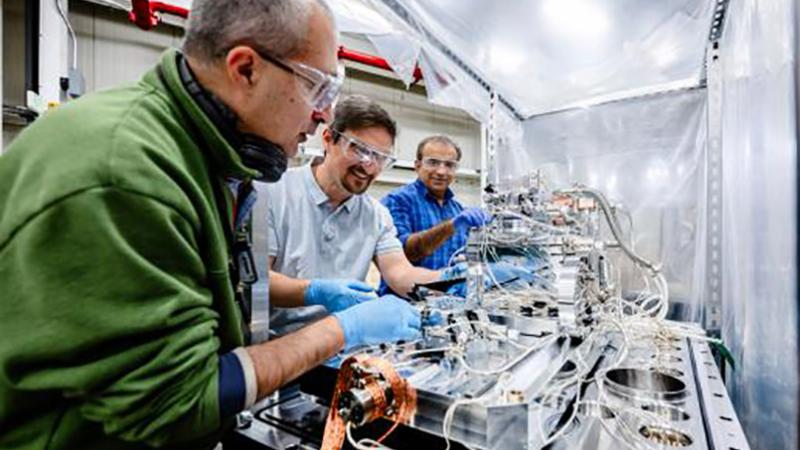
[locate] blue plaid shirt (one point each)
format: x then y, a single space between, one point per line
414 209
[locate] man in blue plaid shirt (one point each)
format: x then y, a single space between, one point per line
431 224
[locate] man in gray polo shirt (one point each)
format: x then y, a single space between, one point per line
323 231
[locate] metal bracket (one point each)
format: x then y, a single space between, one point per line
723 429
489 170
712 78
718 20
712 320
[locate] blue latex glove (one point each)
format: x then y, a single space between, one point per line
434 318
470 218
456 271
387 319
458 290
337 295
504 272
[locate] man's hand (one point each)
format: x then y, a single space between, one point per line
387 319
471 218
338 295
455 271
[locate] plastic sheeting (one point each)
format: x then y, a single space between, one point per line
539 56
360 17
759 218
392 40
647 154
552 54
404 49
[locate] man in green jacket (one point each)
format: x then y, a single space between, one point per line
120 322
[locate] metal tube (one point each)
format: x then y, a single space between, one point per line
612 224
143 12
371 60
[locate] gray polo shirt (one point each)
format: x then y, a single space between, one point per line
311 239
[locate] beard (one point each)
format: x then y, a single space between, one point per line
356 180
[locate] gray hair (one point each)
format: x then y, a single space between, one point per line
277 26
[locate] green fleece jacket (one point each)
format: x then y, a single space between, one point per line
115 297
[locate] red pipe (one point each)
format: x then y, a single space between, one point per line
169 9
363 58
371 60
143 14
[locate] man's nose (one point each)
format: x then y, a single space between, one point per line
372 168
324 116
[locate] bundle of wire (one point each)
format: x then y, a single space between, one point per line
641 319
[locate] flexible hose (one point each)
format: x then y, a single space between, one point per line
612 224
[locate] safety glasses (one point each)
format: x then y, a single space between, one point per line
366 154
322 88
433 163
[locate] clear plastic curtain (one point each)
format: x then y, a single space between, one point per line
537 55
759 226
649 156
552 54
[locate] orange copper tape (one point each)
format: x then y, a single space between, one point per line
335 426
405 399
379 397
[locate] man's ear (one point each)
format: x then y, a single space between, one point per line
417 165
243 66
327 139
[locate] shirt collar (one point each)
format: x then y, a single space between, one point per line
319 196
423 190
350 203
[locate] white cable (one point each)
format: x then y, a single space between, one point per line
642 319
511 364
449 415
74 63
612 223
364 444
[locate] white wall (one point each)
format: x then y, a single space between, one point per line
111 49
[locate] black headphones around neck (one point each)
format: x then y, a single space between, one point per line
256 152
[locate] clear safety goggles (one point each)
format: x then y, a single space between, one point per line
433 163
365 153
322 88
